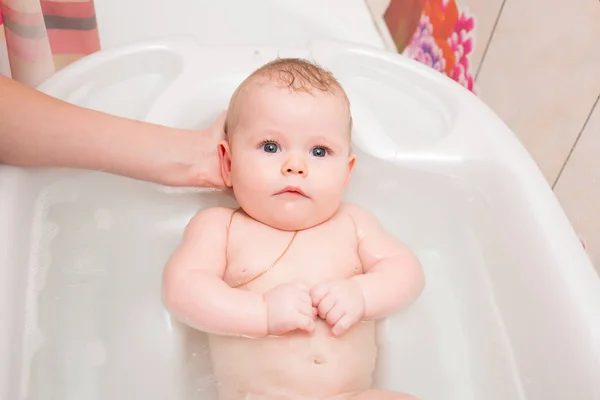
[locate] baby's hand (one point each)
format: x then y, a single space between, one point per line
341 303
289 307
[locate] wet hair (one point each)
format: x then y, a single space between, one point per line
295 74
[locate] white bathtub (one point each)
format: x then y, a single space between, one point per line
512 304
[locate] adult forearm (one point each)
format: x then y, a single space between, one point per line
207 303
39 130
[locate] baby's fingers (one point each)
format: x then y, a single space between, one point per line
342 325
335 314
308 310
305 301
318 293
306 323
325 306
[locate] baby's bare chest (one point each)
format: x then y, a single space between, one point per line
268 257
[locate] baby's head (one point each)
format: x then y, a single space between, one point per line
287 153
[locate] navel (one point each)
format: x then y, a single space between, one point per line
318 360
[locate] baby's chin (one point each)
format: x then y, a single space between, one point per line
290 221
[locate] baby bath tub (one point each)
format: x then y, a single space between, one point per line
512 305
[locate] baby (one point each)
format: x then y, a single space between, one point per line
289 286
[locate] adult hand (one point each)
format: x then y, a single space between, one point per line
204 156
38 130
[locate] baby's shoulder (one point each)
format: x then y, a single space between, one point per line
367 225
356 212
216 212
364 221
211 217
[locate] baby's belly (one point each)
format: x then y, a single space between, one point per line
297 364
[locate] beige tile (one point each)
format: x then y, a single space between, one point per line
377 9
485 13
541 75
578 188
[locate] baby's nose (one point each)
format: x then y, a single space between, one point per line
294 166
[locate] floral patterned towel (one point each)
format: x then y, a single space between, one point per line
436 33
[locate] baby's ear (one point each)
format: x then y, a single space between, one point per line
225 158
351 163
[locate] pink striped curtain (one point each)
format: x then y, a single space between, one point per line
39 37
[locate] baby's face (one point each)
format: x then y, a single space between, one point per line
288 158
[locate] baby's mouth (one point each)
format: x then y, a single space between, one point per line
291 191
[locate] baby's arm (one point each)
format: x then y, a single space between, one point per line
392 277
193 286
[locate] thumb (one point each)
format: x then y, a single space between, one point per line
308 324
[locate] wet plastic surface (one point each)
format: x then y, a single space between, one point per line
511 305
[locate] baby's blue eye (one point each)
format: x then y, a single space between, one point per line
270 147
319 152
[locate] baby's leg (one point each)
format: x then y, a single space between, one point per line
376 394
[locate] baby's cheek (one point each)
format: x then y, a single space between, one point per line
336 187
330 201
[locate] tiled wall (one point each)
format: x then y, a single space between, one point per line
537 64
540 71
